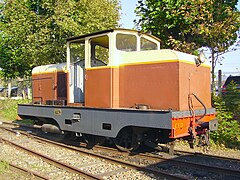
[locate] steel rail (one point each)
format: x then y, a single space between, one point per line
186 163
215 169
52 161
109 159
179 152
162 159
27 171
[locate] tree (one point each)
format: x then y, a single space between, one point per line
221 31
188 25
34 32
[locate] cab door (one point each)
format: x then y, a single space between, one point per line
98 73
76 66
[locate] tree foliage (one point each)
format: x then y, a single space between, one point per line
34 32
188 25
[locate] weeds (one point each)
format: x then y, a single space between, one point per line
8 108
25 121
3 166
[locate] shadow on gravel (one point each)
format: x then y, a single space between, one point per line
199 167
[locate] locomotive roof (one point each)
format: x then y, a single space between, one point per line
109 31
50 68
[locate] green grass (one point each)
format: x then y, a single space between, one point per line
25 122
3 166
8 108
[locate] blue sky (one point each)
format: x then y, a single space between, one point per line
230 63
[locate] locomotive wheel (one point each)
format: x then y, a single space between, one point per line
92 140
127 140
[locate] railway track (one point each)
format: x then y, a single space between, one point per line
125 166
51 160
148 159
176 161
181 153
26 172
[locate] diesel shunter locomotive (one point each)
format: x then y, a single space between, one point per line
120 85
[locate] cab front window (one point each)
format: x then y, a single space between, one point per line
147 44
126 42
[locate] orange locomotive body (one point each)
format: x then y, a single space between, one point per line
119 84
161 85
50 83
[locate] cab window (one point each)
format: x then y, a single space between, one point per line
99 51
126 42
147 44
77 51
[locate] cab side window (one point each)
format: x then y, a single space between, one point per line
77 52
99 51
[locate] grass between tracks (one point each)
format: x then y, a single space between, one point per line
4 166
8 109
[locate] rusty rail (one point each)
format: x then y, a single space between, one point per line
52 161
27 171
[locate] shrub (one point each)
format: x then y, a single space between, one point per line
228 133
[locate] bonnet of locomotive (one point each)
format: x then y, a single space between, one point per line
49 83
163 79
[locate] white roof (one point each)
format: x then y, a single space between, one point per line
50 68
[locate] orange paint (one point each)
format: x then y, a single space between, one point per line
160 85
180 126
48 86
98 91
